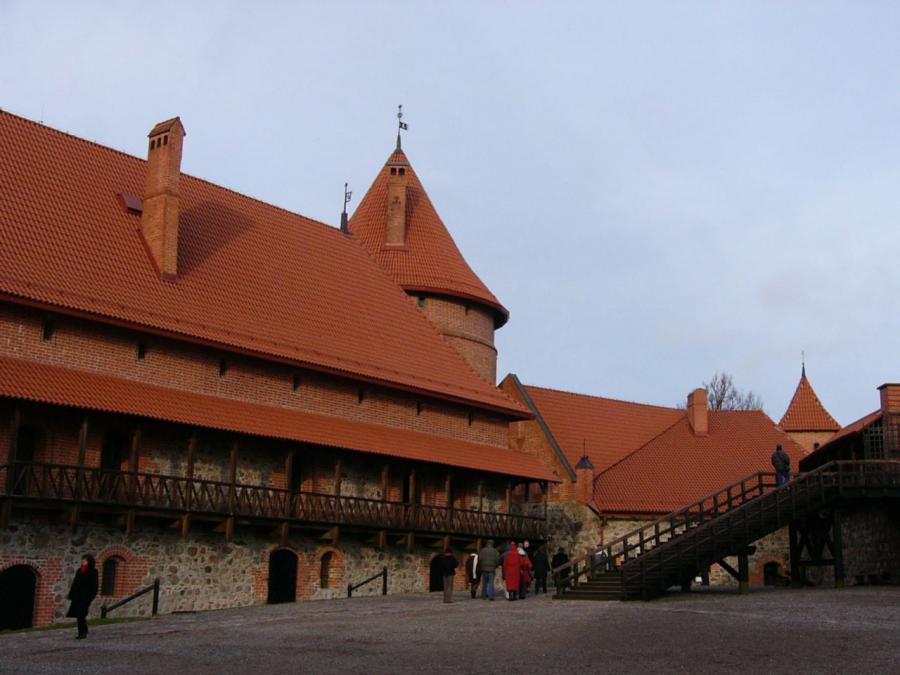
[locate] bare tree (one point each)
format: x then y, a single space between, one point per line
724 395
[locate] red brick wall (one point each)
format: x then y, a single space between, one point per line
111 351
468 327
131 572
47 571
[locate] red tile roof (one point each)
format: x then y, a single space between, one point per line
607 429
252 277
677 468
806 412
430 261
851 428
52 384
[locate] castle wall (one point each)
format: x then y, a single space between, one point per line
117 352
468 327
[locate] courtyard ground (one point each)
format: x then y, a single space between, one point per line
769 631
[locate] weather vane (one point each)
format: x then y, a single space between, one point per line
401 125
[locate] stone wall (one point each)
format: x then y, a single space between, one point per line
203 572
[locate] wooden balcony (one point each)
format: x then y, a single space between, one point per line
32 485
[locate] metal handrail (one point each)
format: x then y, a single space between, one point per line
383 574
154 610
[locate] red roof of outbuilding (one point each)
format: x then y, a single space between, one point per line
677 468
430 261
606 429
62 386
806 412
252 277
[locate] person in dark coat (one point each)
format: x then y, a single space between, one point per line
541 569
448 571
488 560
82 593
561 559
781 462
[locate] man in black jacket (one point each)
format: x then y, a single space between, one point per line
448 571
782 464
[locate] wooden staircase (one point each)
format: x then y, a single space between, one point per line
678 547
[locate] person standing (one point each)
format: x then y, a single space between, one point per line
781 461
541 569
448 571
488 559
512 572
473 573
526 566
82 593
558 560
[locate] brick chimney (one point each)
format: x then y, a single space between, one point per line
584 481
890 398
396 217
159 220
697 412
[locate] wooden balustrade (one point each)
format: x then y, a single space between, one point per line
179 495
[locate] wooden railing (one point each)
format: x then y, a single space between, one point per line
154 606
383 574
735 516
155 492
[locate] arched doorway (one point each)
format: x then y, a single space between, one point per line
282 576
435 575
17 588
771 572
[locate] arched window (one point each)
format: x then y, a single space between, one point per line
112 568
325 569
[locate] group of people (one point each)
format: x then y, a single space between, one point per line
519 564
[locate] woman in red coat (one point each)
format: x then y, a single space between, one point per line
512 572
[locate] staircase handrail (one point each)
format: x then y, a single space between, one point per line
695 513
154 610
383 574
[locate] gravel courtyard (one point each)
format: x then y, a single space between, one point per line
788 631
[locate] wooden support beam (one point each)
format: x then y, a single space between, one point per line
284 532
72 517
382 539
728 568
509 497
82 441
448 490
14 426
445 542
229 529
410 542
134 458
232 478
333 535
129 523
338 475
185 521
385 482
289 472
837 548
481 495
743 573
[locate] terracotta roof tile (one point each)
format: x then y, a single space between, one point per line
806 412
677 467
61 386
252 277
430 261
608 429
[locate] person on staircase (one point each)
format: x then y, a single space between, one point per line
781 461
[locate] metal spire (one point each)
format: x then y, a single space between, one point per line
401 126
347 195
803 363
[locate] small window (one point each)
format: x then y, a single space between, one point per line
295 385
108 576
223 367
402 172
393 171
166 139
47 330
361 396
325 569
141 351
152 144
471 417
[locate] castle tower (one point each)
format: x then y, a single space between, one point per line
399 227
806 420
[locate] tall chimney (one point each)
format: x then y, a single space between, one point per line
159 220
396 220
890 398
698 415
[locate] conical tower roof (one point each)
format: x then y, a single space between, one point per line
429 261
806 412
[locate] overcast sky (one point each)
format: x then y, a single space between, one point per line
655 191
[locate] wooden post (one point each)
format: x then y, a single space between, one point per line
509 496
232 474
134 457
385 481
545 488
797 572
82 442
743 573
481 495
448 491
837 553
412 486
289 471
338 464
189 492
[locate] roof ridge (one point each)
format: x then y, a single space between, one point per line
600 398
638 449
